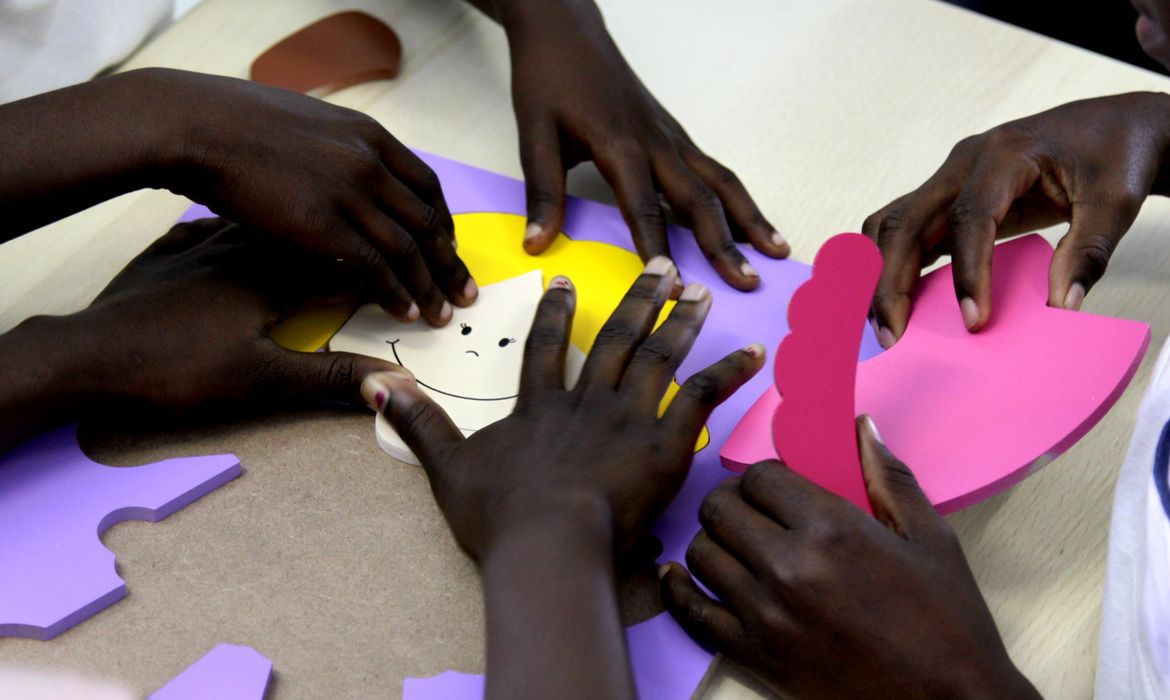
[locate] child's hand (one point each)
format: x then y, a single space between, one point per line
597 453
1091 163
330 179
821 600
186 324
577 99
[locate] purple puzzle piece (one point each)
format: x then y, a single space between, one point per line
227 672
54 505
667 665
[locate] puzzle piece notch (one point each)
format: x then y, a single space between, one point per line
55 503
815 367
227 672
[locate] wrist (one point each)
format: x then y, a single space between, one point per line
552 526
159 146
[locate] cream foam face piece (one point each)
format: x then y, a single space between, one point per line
470 367
970 413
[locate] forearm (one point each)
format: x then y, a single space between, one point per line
553 629
45 379
67 150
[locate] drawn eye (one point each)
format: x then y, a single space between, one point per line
505 342
464 329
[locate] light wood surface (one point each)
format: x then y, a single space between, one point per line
337 565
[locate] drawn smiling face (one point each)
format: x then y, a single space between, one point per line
471 367
477 356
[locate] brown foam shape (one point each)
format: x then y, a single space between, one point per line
333 53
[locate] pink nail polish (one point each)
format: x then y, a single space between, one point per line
380 399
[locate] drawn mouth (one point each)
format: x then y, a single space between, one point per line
394 348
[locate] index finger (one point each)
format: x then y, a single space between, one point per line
974 218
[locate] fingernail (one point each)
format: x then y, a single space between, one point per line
677 289
694 292
470 290
445 312
755 351
869 424
1075 297
374 392
777 239
659 265
663 571
533 231
412 312
970 312
886 337
747 270
560 282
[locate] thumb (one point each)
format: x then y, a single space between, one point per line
332 376
894 494
544 180
420 422
1081 257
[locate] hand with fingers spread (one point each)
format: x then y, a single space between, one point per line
577 99
544 499
182 327
329 179
820 600
1090 163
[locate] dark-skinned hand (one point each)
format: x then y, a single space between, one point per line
1090 163
329 179
576 99
598 446
186 324
821 600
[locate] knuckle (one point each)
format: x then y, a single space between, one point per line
701 199
539 196
544 336
826 533
414 419
703 389
655 351
964 213
713 509
615 334
1096 250
432 223
754 480
340 371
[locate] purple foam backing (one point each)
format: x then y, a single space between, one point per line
227 672
54 505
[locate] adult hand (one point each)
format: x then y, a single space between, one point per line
186 324
1091 163
577 99
330 179
821 600
598 450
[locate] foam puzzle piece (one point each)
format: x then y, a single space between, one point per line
470 367
338 51
227 672
973 414
815 367
54 505
667 665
